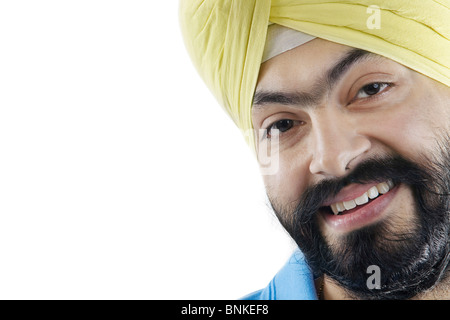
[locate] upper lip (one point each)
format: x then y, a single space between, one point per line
349 192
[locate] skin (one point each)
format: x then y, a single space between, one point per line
345 126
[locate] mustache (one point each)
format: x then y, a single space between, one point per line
380 169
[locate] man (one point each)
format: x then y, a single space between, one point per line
348 102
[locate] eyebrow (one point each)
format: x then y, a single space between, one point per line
305 99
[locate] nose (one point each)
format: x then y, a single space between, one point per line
336 143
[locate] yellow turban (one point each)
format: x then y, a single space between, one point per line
226 38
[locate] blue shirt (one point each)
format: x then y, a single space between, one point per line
294 281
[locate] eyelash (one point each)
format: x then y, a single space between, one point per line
267 132
384 85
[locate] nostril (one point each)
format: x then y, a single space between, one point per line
336 148
328 164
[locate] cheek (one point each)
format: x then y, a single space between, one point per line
416 123
409 130
400 130
289 181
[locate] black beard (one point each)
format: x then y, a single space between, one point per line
411 261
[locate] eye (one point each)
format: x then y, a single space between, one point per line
281 125
371 89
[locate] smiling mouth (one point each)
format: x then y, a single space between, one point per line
342 207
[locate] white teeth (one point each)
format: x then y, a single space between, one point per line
350 204
334 208
390 184
383 187
372 193
340 206
362 199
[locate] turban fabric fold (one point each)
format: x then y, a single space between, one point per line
226 38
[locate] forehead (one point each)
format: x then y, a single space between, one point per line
300 65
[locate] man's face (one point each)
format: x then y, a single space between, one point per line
363 163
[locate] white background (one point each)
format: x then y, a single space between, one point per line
120 176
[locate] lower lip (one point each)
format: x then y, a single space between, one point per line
372 212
